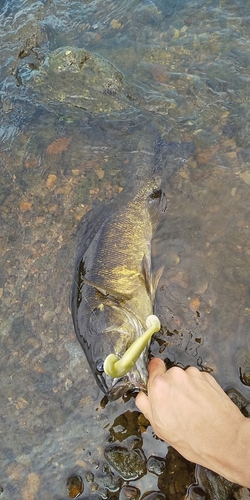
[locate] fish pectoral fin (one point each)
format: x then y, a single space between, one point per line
108 292
146 273
155 280
126 330
157 204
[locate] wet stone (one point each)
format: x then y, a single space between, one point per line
103 493
31 486
93 487
196 493
156 465
74 486
109 481
130 464
246 411
177 476
244 370
48 316
215 486
154 495
126 425
240 401
129 493
89 477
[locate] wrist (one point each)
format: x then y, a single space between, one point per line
234 454
241 457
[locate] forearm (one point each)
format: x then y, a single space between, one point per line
233 461
224 449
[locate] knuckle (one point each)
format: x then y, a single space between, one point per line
192 370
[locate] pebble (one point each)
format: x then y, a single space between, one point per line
31 487
115 24
15 471
183 173
205 155
129 493
74 486
156 465
48 316
93 487
194 304
89 477
57 146
51 181
21 403
31 162
201 287
100 173
66 189
25 205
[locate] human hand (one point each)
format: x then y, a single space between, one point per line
189 410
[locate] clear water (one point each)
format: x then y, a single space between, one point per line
184 66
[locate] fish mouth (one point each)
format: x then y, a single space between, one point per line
132 382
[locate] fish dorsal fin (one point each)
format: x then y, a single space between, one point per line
108 292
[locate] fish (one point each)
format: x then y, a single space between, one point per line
113 285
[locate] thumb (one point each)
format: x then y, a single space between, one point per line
143 404
156 368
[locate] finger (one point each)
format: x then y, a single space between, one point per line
142 403
156 367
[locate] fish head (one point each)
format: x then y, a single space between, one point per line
113 329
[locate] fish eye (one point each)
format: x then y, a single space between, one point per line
100 366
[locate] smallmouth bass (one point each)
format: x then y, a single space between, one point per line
113 288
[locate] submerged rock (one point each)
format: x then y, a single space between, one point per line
156 465
129 493
130 464
153 495
80 78
215 486
74 486
85 80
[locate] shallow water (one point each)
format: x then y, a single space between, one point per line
184 66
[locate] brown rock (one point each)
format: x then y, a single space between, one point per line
58 146
194 304
51 180
31 487
25 205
